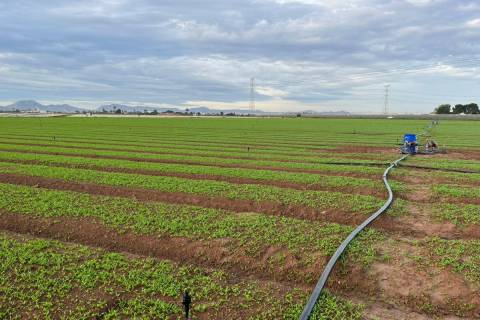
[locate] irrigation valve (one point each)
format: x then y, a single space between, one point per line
187 301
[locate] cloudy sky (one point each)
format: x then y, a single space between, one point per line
305 54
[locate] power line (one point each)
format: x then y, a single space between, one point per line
398 70
387 92
252 94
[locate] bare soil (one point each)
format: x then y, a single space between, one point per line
463 154
421 287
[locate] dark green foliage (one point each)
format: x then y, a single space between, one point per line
443 109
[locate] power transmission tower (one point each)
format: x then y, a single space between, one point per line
252 94
387 94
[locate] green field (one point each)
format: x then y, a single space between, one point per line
113 218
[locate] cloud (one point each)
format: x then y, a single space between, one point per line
474 23
302 53
272 105
271 92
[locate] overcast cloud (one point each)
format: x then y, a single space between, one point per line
322 55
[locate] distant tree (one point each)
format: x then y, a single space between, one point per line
443 109
221 113
155 112
471 108
458 108
118 111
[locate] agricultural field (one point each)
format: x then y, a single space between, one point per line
114 218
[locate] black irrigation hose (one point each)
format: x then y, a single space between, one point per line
307 311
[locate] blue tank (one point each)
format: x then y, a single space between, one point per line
410 143
409 138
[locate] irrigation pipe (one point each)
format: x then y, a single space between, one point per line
307 311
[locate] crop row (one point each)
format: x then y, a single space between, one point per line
456 191
447 133
252 231
455 164
163 146
462 256
257 174
198 159
160 138
449 177
288 153
161 141
319 200
249 155
461 215
320 131
44 279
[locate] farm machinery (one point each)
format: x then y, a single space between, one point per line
411 145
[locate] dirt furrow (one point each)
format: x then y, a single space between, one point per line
237 180
198 163
351 280
219 156
216 254
271 208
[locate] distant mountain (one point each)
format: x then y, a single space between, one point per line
204 110
24 105
62 108
225 111
32 105
326 113
114 106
